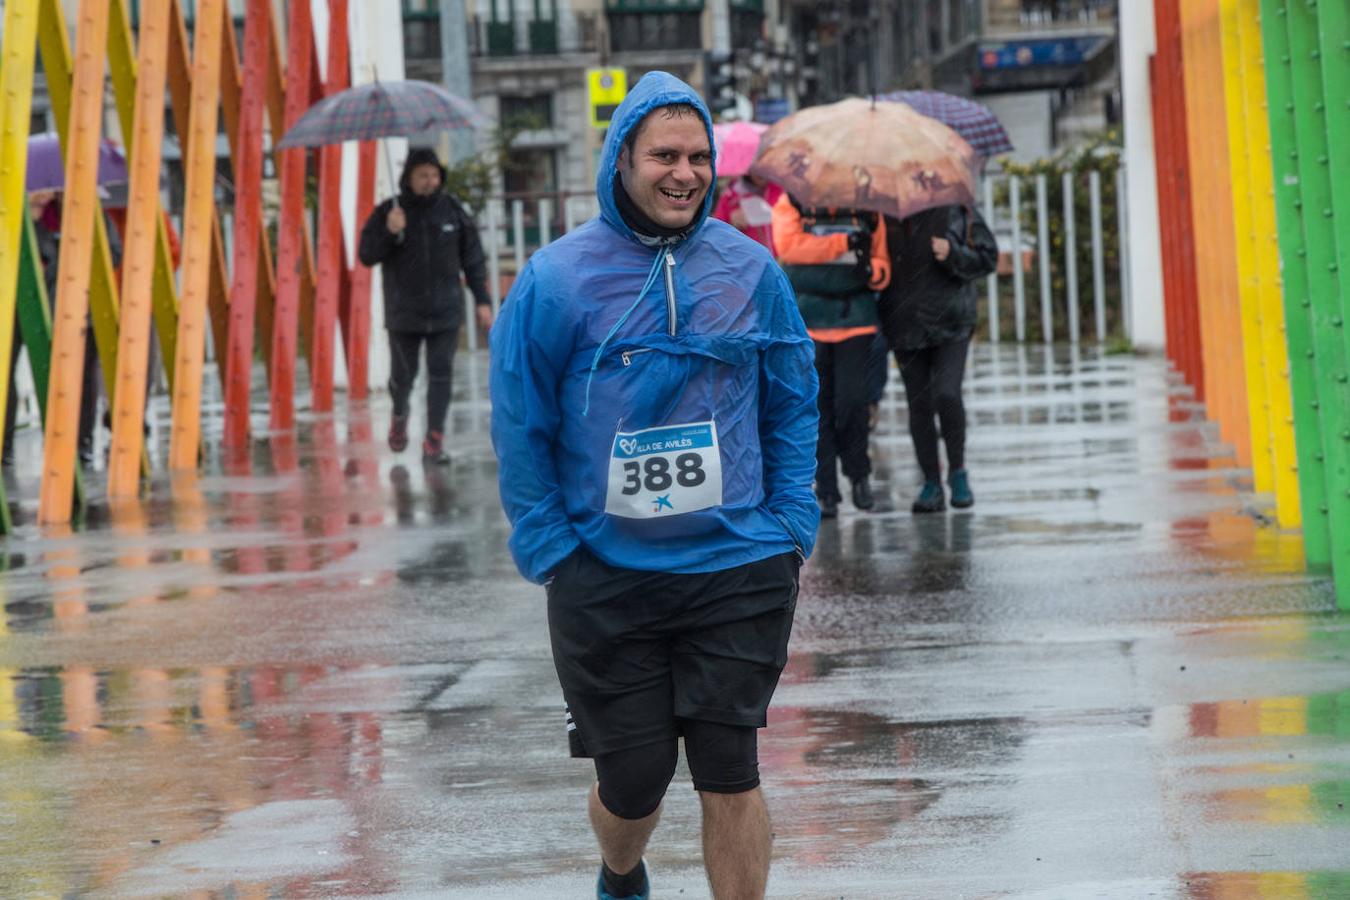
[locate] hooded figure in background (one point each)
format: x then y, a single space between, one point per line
928 314
423 240
654 417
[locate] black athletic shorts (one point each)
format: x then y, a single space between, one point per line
636 651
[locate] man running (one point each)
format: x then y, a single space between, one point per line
654 417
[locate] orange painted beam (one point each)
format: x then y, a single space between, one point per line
138 255
331 261
291 226
249 239
198 233
79 214
54 41
1216 274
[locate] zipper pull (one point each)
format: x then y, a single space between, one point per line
670 259
627 360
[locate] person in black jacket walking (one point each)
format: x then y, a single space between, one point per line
424 239
928 315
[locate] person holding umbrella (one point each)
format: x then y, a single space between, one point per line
424 240
928 314
885 156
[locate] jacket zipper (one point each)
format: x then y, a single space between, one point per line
629 354
670 291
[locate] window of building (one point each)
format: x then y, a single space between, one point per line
531 170
905 25
935 26
530 113
655 31
747 28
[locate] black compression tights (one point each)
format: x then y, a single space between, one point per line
723 759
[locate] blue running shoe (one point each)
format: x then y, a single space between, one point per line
644 894
930 499
962 498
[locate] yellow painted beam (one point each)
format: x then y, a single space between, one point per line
16 100
1269 286
198 230
1241 161
164 293
143 222
80 215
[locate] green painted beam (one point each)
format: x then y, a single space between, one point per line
1325 290
35 328
1312 482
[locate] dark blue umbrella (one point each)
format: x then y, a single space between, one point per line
973 121
381 109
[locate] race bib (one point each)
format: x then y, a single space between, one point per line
664 471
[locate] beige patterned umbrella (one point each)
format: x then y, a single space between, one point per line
857 154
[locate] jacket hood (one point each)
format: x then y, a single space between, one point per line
419 156
654 90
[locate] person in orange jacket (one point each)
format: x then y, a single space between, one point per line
837 261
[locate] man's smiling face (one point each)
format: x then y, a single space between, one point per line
669 168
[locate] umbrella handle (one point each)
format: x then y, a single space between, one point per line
389 165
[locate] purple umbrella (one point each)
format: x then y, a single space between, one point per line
973 121
47 171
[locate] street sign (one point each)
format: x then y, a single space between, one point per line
605 90
770 109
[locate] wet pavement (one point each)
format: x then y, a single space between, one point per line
316 673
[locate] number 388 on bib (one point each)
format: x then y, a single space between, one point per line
664 471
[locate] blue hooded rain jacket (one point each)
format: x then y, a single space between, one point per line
655 402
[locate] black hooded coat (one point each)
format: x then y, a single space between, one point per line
930 303
421 267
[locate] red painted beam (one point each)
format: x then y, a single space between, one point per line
330 250
248 233
1174 167
291 226
357 321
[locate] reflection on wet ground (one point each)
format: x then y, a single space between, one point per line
313 672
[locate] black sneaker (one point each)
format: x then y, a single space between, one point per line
862 493
398 434
433 452
829 507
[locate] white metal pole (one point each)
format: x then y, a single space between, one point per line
545 217
518 232
1043 246
1019 288
991 283
1123 255
1146 320
1071 257
494 248
1098 267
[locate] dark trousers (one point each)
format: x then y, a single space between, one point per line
932 379
842 369
877 361
403 350
88 395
